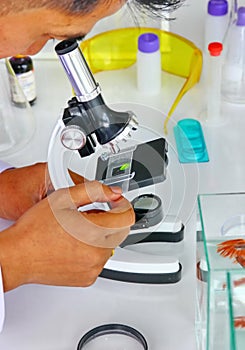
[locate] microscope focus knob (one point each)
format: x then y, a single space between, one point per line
73 137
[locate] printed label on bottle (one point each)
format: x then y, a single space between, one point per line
27 84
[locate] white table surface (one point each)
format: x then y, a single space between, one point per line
54 318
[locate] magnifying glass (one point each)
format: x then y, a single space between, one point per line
148 211
111 337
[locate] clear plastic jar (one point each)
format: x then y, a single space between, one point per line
233 72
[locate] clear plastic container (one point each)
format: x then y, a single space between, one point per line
233 72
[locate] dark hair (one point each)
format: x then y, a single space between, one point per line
157 8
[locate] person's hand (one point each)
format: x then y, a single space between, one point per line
21 188
53 243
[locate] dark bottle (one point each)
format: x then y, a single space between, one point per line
24 71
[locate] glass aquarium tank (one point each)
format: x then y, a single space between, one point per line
236 288
220 251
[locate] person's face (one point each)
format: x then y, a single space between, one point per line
27 32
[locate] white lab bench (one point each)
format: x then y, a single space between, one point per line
55 318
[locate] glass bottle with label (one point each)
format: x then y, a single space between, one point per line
17 124
24 70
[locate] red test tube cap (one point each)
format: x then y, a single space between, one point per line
215 48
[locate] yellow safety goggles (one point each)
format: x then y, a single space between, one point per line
117 49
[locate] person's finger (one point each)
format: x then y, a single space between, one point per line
99 230
121 215
76 178
90 192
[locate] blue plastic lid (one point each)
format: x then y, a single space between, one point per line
190 142
148 42
217 7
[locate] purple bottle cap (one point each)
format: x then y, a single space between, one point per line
241 16
148 42
217 7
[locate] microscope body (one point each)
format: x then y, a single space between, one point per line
88 124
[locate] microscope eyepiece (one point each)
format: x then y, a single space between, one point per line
66 46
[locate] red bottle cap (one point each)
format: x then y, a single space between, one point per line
215 49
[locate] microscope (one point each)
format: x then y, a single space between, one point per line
104 139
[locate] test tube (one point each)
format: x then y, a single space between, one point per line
214 84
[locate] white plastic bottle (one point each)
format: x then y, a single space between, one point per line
149 64
214 84
216 22
216 25
233 73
